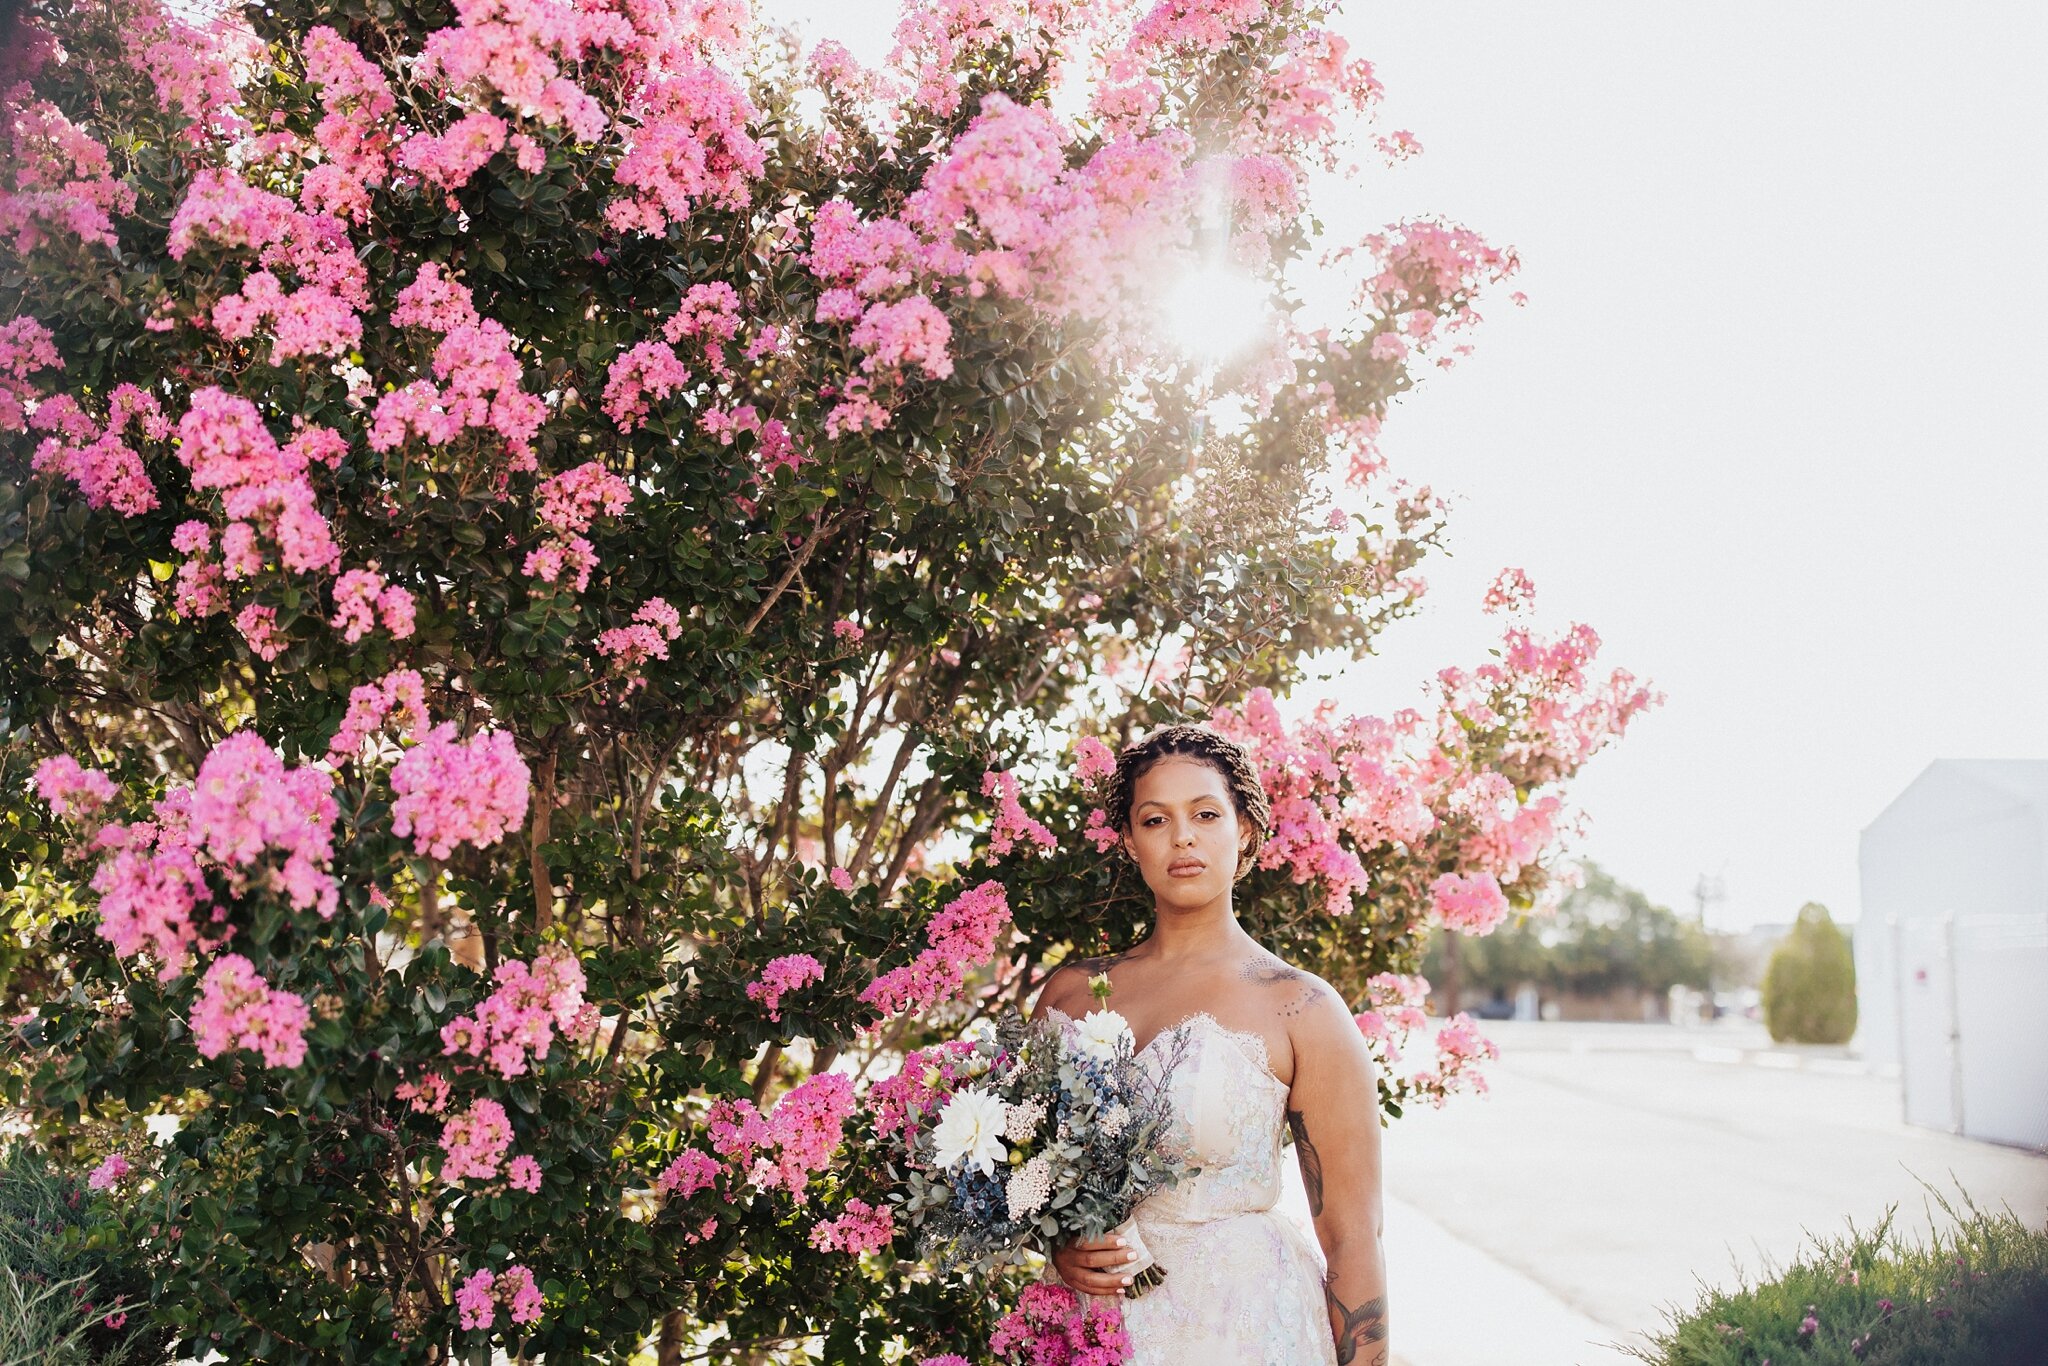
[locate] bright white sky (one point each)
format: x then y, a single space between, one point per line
1773 419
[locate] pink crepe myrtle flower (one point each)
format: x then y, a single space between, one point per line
691 1171
26 346
862 1228
639 378
1012 821
1469 903
99 461
481 1292
238 1009
1053 1323
109 1173
960 937
361 596
805 1128
1093 761
475 1141
691 144
247 804
1510 591
402 693
849 631
840 879
454 791
781 976
73 792
522 1173
516 1025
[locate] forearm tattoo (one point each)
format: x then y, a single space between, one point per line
1357 1329
1311 1161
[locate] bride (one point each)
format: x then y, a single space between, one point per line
1266 1045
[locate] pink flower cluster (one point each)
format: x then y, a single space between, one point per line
454 792
238 1009
1093 761
779 1150
780 976
361 596
691 1171
567 505
448 159
246 804
1012 821
54 177
690 144
475 1141
937 39
106 469
1336 788
917 1089
1053 1326
26 346
654 625
320 315
1470 903
73 791
963 934
862 1228
519 1020
480 379
639 378
402 691
152 887
353 133
109 1173
480 1294
266 495
1510 591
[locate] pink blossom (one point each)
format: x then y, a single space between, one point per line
523 1174
1098 831
1052 1323
99 461
247 804
238 1009
1093 761
63 180
645 374
781 976
862 1228
360 596
690 1172
1470 904
1510 591
519 1020
449 159
354 134
26 346
109 1173
73 792
475 1141
840 879
473 1300
909 331
369 704
1012 821
848 631
806 1128
960 937
691 144
900 1102
454 792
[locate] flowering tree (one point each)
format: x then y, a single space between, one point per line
554 559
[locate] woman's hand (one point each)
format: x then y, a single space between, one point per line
1084 1266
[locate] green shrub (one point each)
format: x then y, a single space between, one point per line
1810 986
1976 1295
62 1302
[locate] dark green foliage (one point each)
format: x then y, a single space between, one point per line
1809 991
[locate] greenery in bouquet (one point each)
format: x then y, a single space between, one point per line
1038 1134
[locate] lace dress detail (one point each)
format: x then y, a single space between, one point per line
1243 1287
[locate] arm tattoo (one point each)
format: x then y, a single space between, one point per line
1311 1162
1355 1328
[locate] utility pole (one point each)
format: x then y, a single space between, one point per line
1708 891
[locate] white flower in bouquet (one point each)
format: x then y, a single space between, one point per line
1029 1187
1101 1031
971 1127
1114 1119
1024 1118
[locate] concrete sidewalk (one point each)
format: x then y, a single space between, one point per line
1613 1170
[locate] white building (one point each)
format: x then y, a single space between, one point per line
1952 948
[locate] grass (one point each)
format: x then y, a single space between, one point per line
1975 1294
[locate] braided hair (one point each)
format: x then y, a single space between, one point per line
1200 743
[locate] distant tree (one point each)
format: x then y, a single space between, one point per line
1604 936
1810 986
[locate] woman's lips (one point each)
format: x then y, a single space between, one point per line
1185 868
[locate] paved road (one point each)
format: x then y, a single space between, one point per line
1613 1169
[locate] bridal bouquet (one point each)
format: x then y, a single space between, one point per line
1047 1133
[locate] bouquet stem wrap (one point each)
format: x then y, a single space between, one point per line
1144 1271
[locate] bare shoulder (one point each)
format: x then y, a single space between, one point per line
1066 987
1312 1013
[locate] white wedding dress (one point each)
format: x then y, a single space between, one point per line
1243 1286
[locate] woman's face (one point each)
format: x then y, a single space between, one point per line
1184 832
